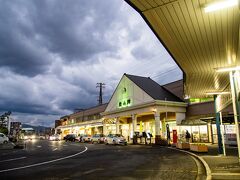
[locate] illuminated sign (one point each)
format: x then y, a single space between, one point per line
125 101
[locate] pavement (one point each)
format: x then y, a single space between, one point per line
219 166
216 166
222 167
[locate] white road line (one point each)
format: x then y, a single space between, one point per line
39 146
92 170
46 162
226 174
55 149
13 159
165 170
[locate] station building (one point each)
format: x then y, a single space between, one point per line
205 45
139 104
85 121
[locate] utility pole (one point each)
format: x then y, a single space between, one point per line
100 86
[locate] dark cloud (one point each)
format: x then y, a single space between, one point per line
53 52
19 51
76 35
32 32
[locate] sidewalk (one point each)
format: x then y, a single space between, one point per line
222 167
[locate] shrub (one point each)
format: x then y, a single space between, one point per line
4 130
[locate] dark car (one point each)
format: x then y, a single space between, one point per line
70 137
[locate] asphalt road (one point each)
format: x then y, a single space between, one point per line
66 160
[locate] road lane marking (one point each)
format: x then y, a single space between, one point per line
226 174
55 149
39 146
92 170
42 163
166 170
13 159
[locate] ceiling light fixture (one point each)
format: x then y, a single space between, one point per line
217 93
220 5
228 69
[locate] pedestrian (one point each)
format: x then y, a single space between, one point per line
168 134
187 136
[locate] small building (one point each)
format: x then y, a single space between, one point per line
85 121
139 105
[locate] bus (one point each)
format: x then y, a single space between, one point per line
28 133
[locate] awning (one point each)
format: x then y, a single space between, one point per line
192 122
199 42
225 119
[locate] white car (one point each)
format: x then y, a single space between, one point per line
98 138
3 138
115 139
85 138
54 137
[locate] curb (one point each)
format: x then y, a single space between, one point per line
208 170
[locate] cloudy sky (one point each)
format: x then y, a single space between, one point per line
53 52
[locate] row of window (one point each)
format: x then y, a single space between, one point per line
84 118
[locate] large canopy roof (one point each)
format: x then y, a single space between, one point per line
199 42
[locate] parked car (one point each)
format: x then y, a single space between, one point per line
3 138
70 137
78 138
115 139
98 138
85 138
54 137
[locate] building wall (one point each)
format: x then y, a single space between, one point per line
205 109
92 113
127 90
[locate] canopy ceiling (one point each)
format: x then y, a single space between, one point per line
199 42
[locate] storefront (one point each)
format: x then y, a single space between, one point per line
89 128
130 115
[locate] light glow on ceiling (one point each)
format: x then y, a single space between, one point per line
220 5
228 69
217 93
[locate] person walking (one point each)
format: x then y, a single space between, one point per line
187 136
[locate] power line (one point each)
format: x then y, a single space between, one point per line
164 73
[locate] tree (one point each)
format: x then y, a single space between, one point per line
4 130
